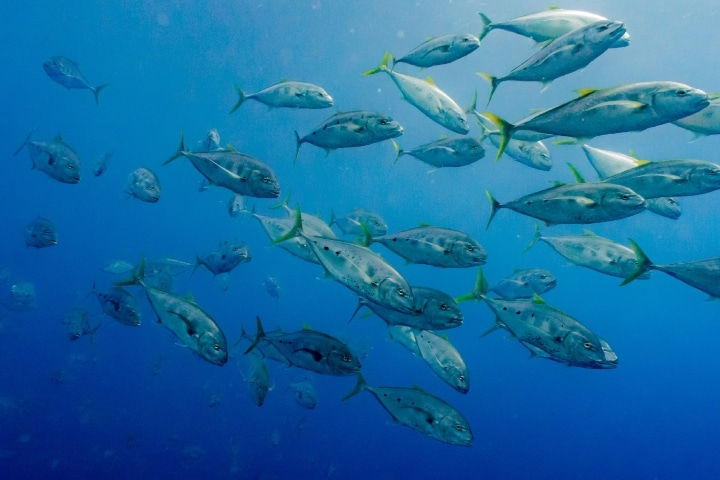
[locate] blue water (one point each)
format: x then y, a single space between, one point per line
134 404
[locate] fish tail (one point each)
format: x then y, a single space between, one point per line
179 152
96 92
399 152
295 231
298 142
92 333
493 81
258 336
332 217
536 237
383 66
241 98
198 262
494 207
366 239
359 387
361 304
27 140
138 275
643 263
479 291
486 25
505 130
470 109
243 336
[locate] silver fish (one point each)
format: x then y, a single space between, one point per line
78 325
117 266
421 411
440 50
236 205
548 25
703 123
701 274
19 297
54 158
144 185
223 260
447 152
594 252
426 97
101 165
305 394
311 350
625 108
350 129
119 304
525 283
575 203
41 233
564 55
272 287
67 73
257 379
436 246
351 224
288 94
670 178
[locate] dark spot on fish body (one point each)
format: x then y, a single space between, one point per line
325 248
338 252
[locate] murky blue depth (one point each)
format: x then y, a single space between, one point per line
126 401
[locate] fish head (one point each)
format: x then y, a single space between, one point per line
442 310
583 350
383 126
55 66
630 264
212 141
66 167
212 348
611 358
541 281
454 429
342 361
604 32
396 295
465 43
706 175
320 98
458 378
263 184
144 185
468 253
665 206
621 199
538 154
675 101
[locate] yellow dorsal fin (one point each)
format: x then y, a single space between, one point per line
230 148
306 326
537 299
585 91
431 81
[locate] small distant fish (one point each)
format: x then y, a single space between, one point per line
447 152
54 158
19 297
257 379
703 123
288 94
305 394
117 266
440 50
67 73
350 224
525 283
228 256
350 129
101 165
272 287
144 185
41 233
119 304
236 205
78 325
211 142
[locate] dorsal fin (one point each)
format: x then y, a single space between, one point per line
430 81
537 299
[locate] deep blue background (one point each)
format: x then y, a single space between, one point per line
81 410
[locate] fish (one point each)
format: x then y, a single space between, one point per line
358 268
54 157
41 233
670 178
703 275
703 123
625 108
608 163
421 411
579 203
276 228
436 246
532 153
223 260
187 320
525 283
211 143
78 325
440 355
440 50
426 97
288 94
350 129
350 224
257 379
144 185
238 172
236 205
311 223
594 252
563 55
272 287
304 394
434 310
446 152
310 350
101 165
67 73
546 331
119 304
548 25
117 266
172 266
19 297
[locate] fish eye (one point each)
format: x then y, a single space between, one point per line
459 427
461 378
346 358
383 122
470 248
444 307
266 180
588 346
603 28
625 196
682 93
216 347
401 292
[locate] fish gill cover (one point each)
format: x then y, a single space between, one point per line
591 380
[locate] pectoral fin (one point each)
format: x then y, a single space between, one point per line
625 106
